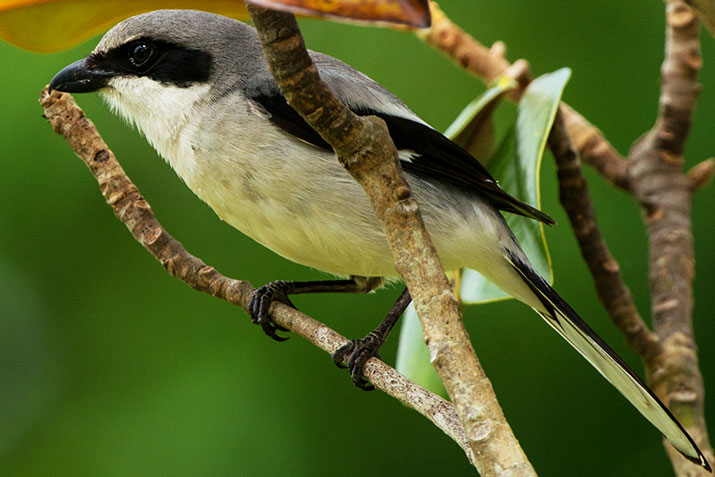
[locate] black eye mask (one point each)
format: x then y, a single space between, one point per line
161 61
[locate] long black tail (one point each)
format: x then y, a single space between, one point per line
562 318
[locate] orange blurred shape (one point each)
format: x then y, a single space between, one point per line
410 13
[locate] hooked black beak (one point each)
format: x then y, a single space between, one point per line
80 77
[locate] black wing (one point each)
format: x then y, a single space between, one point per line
433 156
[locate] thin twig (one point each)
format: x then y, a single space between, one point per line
654 175
664 192
489 63
701 173
130 207
364 147
612 291
572 131
595 149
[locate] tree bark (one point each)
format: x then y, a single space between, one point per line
364 147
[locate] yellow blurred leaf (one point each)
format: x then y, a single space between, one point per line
53 25
413 13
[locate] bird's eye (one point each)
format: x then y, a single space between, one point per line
140 53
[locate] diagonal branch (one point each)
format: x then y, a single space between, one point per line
664 193
655 177
489 63
130 207
573 137
365 149
612 291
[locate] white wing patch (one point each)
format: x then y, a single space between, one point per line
406 155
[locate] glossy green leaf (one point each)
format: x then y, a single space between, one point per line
517 165
474 129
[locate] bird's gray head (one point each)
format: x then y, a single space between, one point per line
179 48
161 69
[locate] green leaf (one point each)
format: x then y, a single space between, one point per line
473 129
413 356
516 165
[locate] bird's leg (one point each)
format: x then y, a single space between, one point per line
280 289
356 352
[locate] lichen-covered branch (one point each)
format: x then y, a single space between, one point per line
664 193
364 147
130 207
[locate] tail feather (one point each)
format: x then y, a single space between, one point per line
562 318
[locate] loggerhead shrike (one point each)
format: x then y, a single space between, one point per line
198 87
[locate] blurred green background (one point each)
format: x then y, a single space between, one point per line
108 366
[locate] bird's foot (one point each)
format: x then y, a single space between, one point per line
354 355
261 303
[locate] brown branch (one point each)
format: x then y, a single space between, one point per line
463 48
701 173
488 64
664 192
365 149
130 207
572 131
595 149
654 175
612 291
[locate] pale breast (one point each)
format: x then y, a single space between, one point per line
294 198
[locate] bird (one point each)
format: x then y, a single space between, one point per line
197 86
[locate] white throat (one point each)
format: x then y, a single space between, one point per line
160 112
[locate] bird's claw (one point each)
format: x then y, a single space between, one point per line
354 354
261 303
